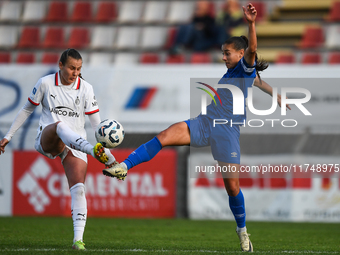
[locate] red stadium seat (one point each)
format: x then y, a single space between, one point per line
79 38
200 58
82 12
58 12
334 14
175 59
149 58
5 57
50 58
25 58
311 58
107 12
334 58
54 38
285 58
30 38
313 37
261 10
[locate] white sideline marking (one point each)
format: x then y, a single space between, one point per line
151 251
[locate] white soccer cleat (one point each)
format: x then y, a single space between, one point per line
117 170
245 242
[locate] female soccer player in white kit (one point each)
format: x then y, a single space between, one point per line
65 99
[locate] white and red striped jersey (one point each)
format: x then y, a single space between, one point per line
67 103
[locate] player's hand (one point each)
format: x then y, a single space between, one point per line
279 102
249 12
3 144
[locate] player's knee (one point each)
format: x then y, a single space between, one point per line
176 134
232 187
163 137
50 141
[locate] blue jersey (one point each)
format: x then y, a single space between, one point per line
242 76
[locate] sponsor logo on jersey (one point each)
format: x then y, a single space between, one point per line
64 111
34 91
94 103
53 96
233 154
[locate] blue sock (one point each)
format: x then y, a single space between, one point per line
143 153
236 205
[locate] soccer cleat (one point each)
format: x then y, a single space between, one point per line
78 245
245 242
99 153
117 170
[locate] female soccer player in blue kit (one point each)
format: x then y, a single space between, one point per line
241 61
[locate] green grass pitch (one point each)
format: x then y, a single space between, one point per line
53 235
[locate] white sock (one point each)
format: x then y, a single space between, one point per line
112 159
73 140
240 230
79 210
123 165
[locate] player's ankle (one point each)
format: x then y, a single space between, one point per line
241 230
124 165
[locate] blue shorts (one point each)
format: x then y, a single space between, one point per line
224 140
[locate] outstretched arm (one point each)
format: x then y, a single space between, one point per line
21 117
265 87
250 15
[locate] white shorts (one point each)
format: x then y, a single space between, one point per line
62 155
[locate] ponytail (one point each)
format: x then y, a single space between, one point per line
245 39
241 42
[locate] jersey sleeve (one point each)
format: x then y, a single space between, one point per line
91 105
20 118
246 67
94 120
37 93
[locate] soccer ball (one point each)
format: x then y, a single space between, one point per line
110 133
